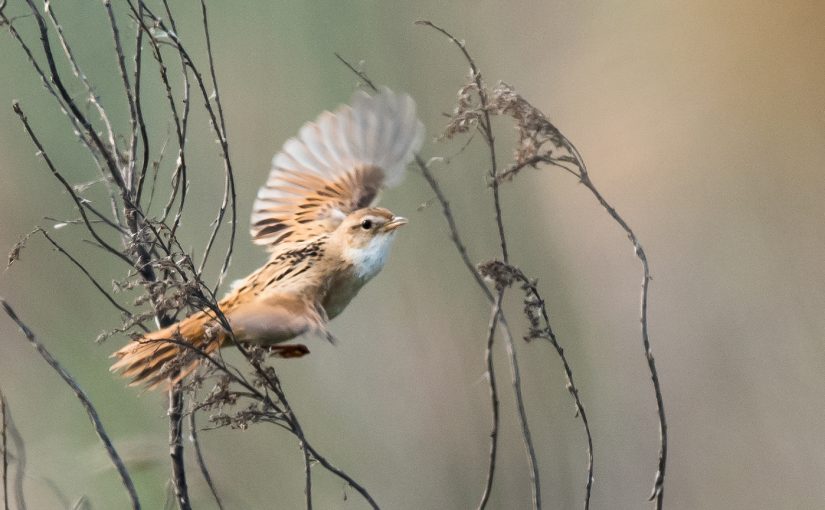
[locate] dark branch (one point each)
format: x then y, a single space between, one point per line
207 477
494 402
114 457
5 448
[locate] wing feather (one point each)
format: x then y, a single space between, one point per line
336 165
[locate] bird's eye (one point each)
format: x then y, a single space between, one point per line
366 224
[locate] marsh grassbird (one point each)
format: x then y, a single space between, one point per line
316 214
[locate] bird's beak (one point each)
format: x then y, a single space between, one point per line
394 223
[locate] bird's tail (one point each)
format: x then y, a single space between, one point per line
170 354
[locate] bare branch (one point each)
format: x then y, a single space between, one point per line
657 492
85 271
175 414
114 457
49 9
77 200
193 436
535 309
494 402
486 131
358 73
19 460
532 462
5 448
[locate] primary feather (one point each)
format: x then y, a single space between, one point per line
337 164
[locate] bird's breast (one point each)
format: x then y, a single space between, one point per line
342 288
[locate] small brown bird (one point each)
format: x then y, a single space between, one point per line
316 215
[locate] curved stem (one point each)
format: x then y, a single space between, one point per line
81 395
494 402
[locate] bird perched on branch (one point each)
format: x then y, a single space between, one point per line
317 215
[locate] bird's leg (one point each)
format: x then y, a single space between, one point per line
288 350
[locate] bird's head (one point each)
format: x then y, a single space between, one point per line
366 236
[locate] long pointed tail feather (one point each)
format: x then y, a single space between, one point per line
165 356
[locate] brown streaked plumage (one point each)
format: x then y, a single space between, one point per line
315 215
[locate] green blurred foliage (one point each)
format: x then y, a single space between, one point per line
701 121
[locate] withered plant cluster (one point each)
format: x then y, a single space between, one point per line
140 228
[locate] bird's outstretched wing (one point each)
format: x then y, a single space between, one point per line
336 165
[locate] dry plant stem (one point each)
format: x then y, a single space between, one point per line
657 492
485 127
114 457
68 187
136 177
182 125
296 429
446 210
217 124
91 278
307 477
207 477
175 396
229 197
494 402
87 128
658 485
455 237
531 288
263 396
176 447
19 460
532 463
47 84
123 179
486 131
93 99
4 446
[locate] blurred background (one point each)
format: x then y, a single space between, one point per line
702 122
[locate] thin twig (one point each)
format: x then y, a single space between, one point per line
137 78
526 437
486 129
307 476
446 210
46 82
4 446
77 200
127 88
455 237
49 9
114 457
535 299
229 196
55 78
85 271
494 402
657 492
19 460
193 436
175 414
358 73
275 385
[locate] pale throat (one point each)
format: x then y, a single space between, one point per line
368 260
